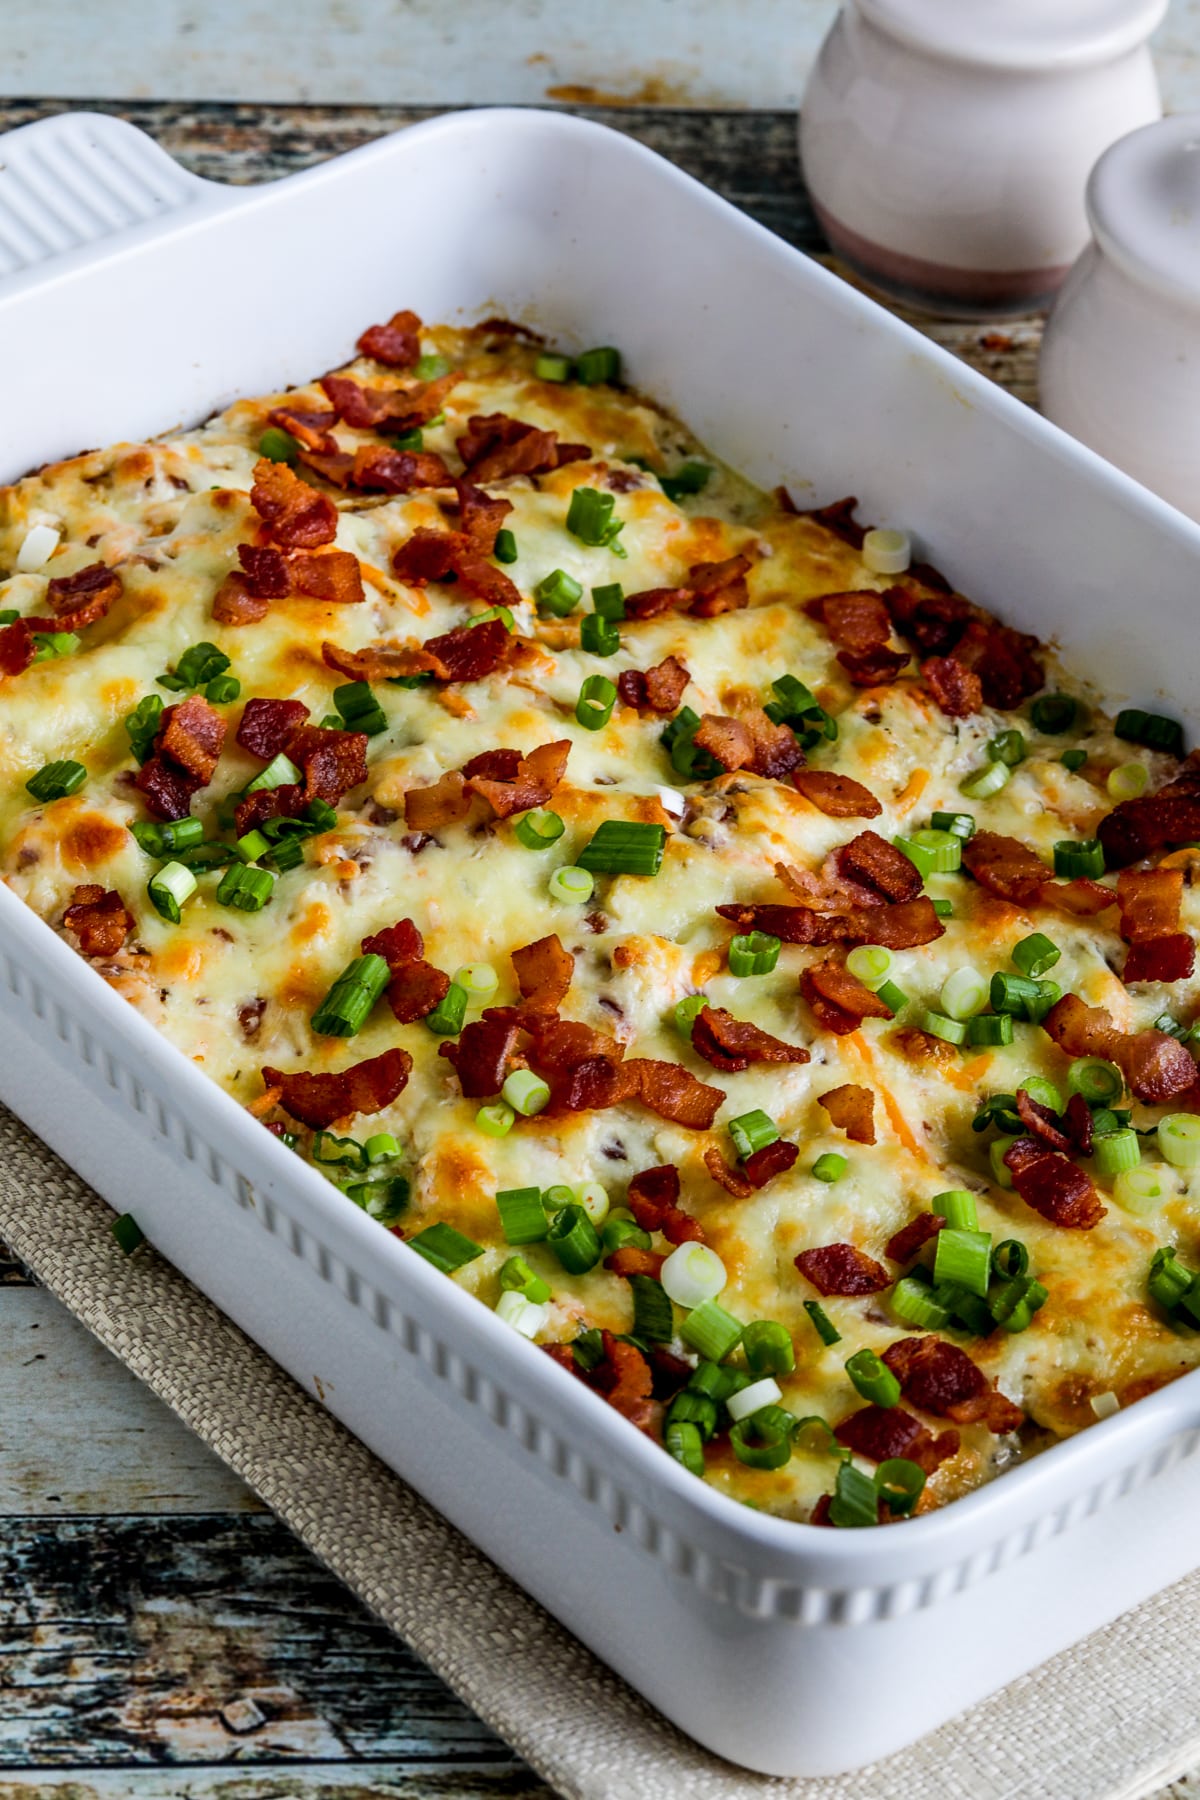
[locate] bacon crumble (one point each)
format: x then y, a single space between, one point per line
319 1100
941 1379
851 1109
843 1270
99 919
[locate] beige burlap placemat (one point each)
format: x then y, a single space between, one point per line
1113 1719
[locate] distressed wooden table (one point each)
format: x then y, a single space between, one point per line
160 1633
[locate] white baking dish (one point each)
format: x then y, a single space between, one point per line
133 296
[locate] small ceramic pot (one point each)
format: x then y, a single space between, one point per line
1120 367
947 147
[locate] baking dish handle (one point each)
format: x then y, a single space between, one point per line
79 180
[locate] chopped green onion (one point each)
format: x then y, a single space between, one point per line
871 964
745 1401
601 364
444 1247
1053 713
686 1012
522 1216
687 758
913 1303
855 1499
1000 1110
521 1314
822 1324
1012 994
516 1277
653 1318
1010 1258
599 636
1179 1139
764 1439
250 846
755 953
495 1120
479 979
696 1409
621 1231
689 478
1151 730
1043 1091
358 706
222 689
900 1484
1073 858
143 725
887 552
752 1131
571 884
1098 1081
711 1331
964 1257
430 367
170 888
1073 760
593 1197
872 1378
56 781
207 856
331 1151
128 1233
201 664
990 1029
798 708
574 1240
682 1441
1007 747
693 1274
960 823
537 830
1013 1305
409 440
624 847
1035 954
1048 994
768 1348
1172 1027
1143 1189
1116 1150
1168 1281
161 839
560 1195
349 1003
608 601
1001 1173
932 852
552 368
47 645
446 1019
597 697
278 446
893 997
287 854
279 772
830 1166
589 518
986 781
558 593
1127 781
381 1147
964 993
9 615
526 1092
505 547
951 1031
958 1208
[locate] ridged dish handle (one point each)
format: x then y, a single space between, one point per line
81 179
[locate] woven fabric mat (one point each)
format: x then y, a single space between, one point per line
1113 1719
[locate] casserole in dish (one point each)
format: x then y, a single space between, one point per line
748 1585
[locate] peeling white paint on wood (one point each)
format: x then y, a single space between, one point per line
451 52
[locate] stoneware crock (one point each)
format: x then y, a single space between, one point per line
947 147
1120 365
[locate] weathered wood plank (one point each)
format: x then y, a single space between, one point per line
314 1781
79 1434
206 1640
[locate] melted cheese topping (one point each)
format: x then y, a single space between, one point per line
234 991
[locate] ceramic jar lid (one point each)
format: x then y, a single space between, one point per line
1018 34
1144 205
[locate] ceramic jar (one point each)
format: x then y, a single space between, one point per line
947 147
1120 364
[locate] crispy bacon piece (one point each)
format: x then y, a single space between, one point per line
944 627
16 647
396 344
333 761
752 742
903 1245
755 1172
629 1260
334 576
1156 1067
168 789
495 446
1053 1185
838 999
656 690
852 1110
1005 867
900 927
940 1378
882 1432
731 1044
1079 1124
236 603
1163 959
379 468
837 796
310 429
397 409
265 571
958 691
416 986
192 734
933 622
1139 828
365 1087
653 1199
874 863
83 598
296 516
544 970
1003 661
286 802
625 1380
711 588
673 1093
842 1269
481 1056
266 725
532 783
469 652
859 625
100 920
1042 1121
444 802
1149 900
1082 897
917 1046
837 517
